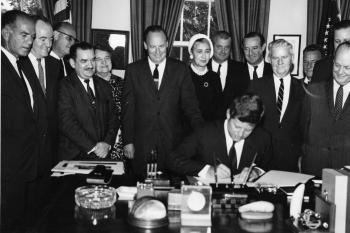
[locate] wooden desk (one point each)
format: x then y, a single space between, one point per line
61 216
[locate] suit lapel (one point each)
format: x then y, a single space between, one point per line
148 81
222 148
271 96
329 96
247 152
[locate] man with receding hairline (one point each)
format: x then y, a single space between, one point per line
327 117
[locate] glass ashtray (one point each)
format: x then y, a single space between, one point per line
95 197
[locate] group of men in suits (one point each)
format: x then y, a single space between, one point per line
29 132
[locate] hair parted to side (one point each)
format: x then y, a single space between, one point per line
153 28
247 108
81 45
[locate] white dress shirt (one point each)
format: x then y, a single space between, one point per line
223 71
34 62
286 84
161 68
346 90
13 61
91 84
259 70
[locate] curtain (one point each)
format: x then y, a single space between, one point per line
153 12
238 17
345 9
314 15
81 18
48 8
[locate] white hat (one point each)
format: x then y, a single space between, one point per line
197 37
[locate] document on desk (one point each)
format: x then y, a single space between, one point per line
66 167
282 178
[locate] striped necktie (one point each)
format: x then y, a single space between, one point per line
280 98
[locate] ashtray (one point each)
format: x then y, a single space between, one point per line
95 197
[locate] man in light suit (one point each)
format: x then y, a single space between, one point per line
157 92
212 144
327 118
230 71
254 51
283 98
87 115
23 128
47 73
323 68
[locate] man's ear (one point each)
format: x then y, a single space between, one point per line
145 45
72 62
5 33
263 47
55 35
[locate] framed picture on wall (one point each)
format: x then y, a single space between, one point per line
118 41
295 41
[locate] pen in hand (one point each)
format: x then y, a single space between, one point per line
250 169
215 171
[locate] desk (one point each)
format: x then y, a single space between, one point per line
59 216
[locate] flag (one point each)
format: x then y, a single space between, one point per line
62 11
330 16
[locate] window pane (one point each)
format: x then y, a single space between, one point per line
195 18
213 20
176 52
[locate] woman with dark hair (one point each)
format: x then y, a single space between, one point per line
103 70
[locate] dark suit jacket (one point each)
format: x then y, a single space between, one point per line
323 70
80 127
235 85
52 70
327 143
198 149
287 135
153 118
23 130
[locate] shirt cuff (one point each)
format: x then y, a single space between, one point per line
204 171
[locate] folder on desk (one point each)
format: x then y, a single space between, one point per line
282 178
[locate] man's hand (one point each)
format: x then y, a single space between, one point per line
129 150
243 176
101 149
222 172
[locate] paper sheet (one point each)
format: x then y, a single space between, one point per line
283 178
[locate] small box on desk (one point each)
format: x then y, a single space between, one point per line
336 190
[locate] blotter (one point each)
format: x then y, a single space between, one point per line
282 178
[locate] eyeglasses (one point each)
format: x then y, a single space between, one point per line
69 37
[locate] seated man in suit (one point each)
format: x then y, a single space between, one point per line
231 144
229 71
311 54
87 114
254 49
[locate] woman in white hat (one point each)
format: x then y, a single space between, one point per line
206 82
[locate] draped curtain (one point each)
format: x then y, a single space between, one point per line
239 17
48 9
153 12
314 15
81 18
345 9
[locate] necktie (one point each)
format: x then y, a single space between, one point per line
255 74
90 93
233 159
41 75
22 78
338 102
219 70
280 97
156 76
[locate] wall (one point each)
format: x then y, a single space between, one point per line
113 15
286 17
289 17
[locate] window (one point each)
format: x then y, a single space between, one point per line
198 16
32 7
